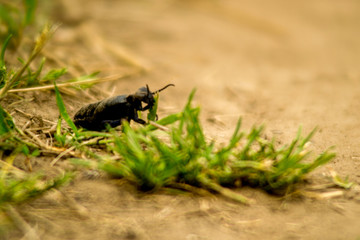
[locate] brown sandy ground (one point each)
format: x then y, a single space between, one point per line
282 63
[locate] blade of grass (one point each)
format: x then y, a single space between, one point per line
3 72
6 122
30 8
63 111
53 74
152 111
3 49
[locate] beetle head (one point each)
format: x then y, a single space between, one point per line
145 95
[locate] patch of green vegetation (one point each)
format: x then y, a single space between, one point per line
14 187
17 186
186 157
16 190
10 136
25 77
182 156
14 17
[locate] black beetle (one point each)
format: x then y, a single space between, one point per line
113 110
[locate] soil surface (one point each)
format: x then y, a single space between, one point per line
282 63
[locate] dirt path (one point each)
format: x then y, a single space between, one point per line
282 63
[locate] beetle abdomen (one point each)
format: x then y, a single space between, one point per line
85 116
96 115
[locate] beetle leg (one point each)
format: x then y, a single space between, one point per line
137 119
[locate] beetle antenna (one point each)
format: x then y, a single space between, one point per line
163 88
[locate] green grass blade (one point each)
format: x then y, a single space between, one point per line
165 121
9 17
54 74
30 10
84 78
37 73
63 111
3 71
3 49
6 122
152 111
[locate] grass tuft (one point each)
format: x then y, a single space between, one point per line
17 186
16 190
183 156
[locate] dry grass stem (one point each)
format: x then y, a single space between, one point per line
161 127
50 149
39 129
92 141
37 140
320 187
31 116
26 125
20 101
67 151
323 196
69 84
192 189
